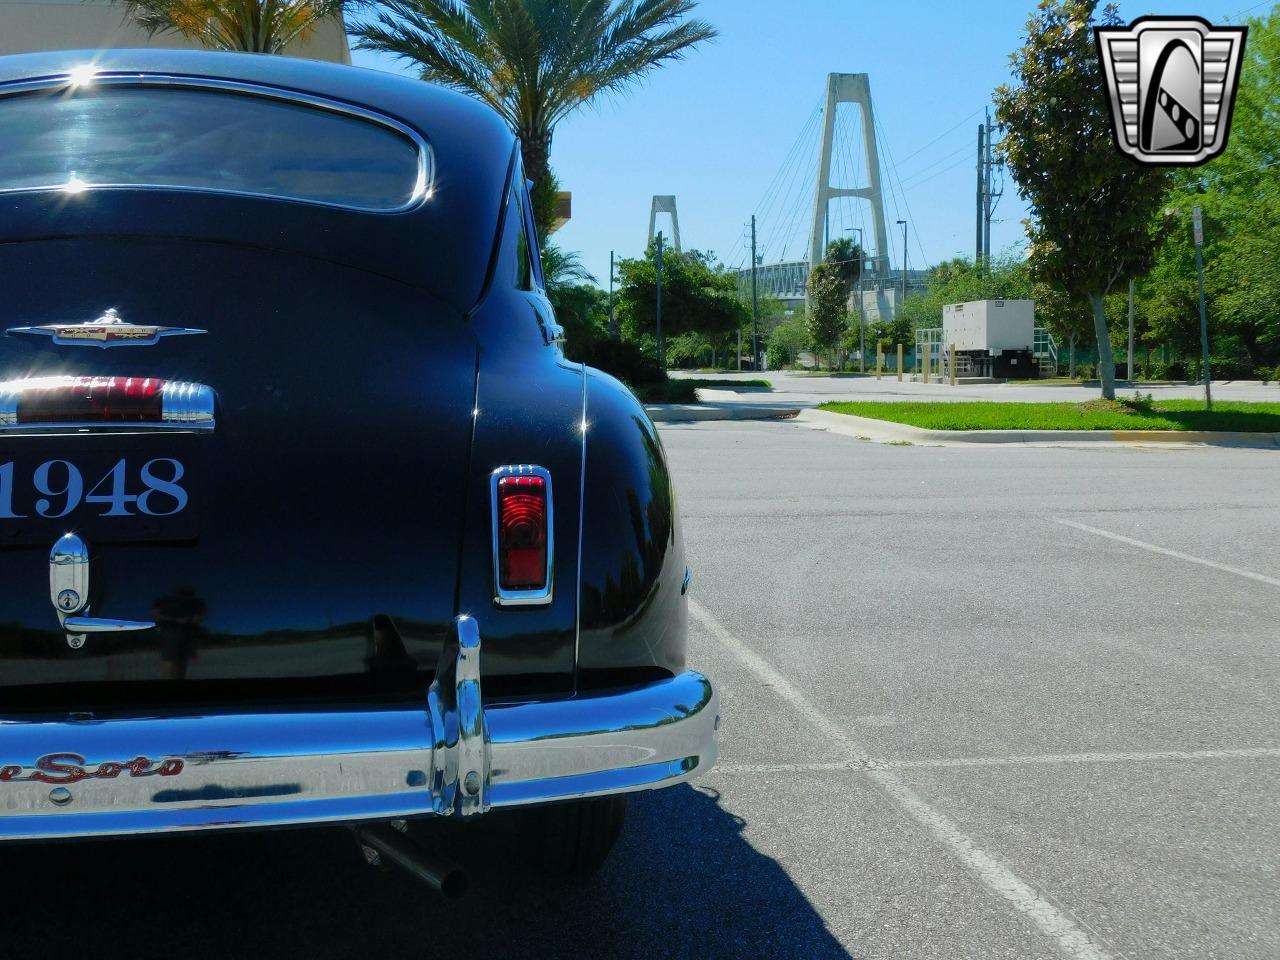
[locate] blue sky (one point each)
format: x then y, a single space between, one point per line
719 128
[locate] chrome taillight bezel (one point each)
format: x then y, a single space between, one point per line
540 596
182 406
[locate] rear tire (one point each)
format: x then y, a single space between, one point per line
571 839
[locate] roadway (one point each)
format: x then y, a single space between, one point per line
961 720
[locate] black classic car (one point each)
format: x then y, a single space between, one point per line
304 516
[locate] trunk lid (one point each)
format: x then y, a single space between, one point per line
316 549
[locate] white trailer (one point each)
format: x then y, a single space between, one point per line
989 326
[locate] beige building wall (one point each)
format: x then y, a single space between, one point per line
27 26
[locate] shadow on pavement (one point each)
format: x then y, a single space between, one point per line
682 883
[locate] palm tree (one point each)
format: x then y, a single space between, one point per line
255 26
562 268
534 61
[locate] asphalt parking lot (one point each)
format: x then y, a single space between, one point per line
1007 703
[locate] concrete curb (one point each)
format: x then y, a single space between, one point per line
690 412
886 431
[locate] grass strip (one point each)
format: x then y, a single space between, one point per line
1227 416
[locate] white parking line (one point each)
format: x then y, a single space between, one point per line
1119 538
1071 939
863 764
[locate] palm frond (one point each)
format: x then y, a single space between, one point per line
534 61
259 26
563 268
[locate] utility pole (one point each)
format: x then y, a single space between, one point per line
986 196
977 244
755 303
613 324
661 362
1197 227
1131 331
903 224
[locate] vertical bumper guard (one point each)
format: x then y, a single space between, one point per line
460 750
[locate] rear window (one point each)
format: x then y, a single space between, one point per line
205 140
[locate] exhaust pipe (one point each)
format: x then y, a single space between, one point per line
447 879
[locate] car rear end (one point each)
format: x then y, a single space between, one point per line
258 540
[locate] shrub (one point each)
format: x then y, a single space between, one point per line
1175 370
777 355
1231 368
626 361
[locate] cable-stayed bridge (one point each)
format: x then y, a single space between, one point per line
840 179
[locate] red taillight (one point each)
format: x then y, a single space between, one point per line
92 400
522 519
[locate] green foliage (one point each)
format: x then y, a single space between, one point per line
249 26
787 340
698 296
960 281
828 306
1092 208
846 256
629 362
534 61
1093 415
1240 195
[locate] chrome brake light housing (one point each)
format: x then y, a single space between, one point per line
522 516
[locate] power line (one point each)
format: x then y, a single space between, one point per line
941 135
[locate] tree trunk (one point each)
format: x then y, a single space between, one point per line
1106 363
535 151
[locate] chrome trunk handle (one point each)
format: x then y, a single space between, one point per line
69 592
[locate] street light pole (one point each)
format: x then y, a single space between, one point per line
903 224
613 329
1197 230
1131 332
658 315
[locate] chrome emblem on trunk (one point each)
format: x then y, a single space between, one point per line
109 330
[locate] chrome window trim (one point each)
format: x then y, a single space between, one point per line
422 188
522 598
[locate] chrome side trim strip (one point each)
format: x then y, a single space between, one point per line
522 598
422 188
582 519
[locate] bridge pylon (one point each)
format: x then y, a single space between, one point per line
854 88
665 204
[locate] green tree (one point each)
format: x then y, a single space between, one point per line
846 256
534 61
1240 195
698 296
1091 207
828 306
252 26
788 338
960 281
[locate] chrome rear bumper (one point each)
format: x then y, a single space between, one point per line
88 775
